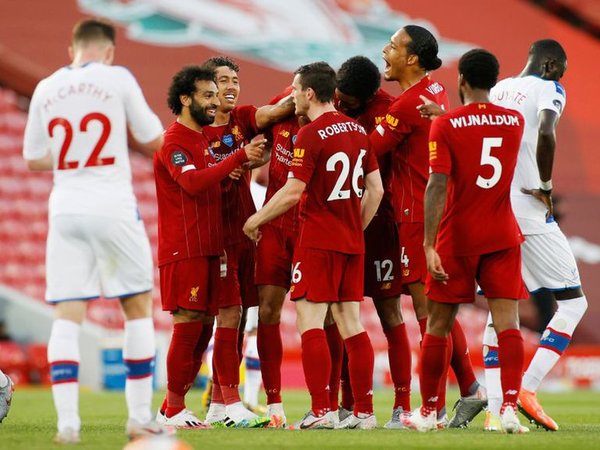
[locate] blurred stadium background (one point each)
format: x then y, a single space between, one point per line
269 39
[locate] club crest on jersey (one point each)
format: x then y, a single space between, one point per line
237 134
228 140
178 158
194 293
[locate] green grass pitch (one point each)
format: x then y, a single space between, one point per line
31 425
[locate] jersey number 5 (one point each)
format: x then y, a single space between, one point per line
337 192
94 159
488 160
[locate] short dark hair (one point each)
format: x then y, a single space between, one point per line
479 68
320 77
548 48
184 83
89 30
359 77
220 61
424 45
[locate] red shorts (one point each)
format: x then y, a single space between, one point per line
274 255
237 287
327 276
191 284
382 259
412 256
498 274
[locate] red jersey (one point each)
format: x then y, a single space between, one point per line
372 116
188 226
282 136
237 200
477 146
331 155
406 133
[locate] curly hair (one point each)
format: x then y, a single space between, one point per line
479 68
359 77
184 83
220 61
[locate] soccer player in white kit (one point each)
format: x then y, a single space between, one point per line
97 244
548 261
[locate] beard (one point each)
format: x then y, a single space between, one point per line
200 115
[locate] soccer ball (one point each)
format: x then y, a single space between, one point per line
157 443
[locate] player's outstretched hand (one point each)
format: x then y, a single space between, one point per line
251 229
429 109
434 265
254 149
543 196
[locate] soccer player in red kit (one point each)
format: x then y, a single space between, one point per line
409 57
233 127
332 162
359 96
274 255
471 234
190 237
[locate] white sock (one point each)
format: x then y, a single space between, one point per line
554 341
491 364
253 378
139 349
3 380
63 357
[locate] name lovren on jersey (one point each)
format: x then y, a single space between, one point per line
340 127
484 119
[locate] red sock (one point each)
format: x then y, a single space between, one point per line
240 343
434 360
345 385
199 351
316 363
461 361
217 395
510 354
270 352
441 403
361 360
227 362
336 351
179 364
423 327
163 407
400 359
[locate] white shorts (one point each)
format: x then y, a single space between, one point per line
251 319
548 262
89 256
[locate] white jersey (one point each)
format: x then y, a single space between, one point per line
529 95
81 115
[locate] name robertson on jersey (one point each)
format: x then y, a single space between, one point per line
340 127
484 119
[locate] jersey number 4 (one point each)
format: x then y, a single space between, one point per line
337 192
94 159
488 160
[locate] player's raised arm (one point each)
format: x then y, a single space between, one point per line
270 114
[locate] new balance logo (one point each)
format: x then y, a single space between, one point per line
511 392
432 399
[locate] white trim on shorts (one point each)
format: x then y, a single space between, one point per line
92 256
548 262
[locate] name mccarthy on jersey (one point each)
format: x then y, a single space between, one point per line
340 127
473 120
64 92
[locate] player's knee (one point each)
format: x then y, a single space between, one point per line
568 315
229 317
269 313
137 306
575 307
